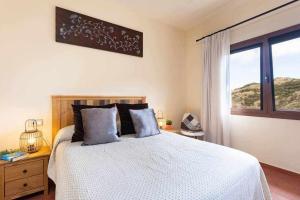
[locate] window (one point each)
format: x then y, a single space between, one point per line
265 75
286 73
245 79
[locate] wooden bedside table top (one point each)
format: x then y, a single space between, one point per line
45 151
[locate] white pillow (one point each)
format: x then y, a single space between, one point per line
64 134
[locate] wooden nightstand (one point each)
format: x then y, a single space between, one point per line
26 176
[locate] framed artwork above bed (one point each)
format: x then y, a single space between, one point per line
82 30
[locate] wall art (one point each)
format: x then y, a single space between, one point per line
78 29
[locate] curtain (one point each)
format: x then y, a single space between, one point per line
216 88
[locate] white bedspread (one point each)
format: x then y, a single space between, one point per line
166 166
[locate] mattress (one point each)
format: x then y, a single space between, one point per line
165 166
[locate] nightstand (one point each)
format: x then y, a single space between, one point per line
25 176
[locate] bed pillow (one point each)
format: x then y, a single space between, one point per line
100 125
64 134
144 122
78 130
126 121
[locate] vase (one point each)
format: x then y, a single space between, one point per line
168 127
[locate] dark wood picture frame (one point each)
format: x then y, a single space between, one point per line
82 30
267 86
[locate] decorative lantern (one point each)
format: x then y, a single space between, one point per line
160 119
32 139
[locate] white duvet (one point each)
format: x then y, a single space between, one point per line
166 166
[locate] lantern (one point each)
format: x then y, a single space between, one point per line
160 119
32 139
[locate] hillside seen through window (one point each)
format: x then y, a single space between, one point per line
286 73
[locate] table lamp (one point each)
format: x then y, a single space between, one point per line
32 139
160 119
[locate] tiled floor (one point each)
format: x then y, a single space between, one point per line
283 186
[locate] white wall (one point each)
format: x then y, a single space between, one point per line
272 141
34 67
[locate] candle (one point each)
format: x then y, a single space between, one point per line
31 140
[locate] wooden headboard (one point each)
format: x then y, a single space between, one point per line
62 112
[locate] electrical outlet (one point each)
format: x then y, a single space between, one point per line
39 122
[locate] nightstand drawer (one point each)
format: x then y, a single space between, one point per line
24 170
23 185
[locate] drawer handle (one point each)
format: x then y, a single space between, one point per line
24 171
25 185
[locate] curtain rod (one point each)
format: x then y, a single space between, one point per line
249 19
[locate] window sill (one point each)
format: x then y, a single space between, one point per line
275 114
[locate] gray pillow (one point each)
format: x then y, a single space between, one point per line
144 122
99 125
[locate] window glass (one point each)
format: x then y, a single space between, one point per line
245 81
286 74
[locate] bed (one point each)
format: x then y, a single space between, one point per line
165 166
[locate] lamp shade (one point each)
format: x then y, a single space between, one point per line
31 140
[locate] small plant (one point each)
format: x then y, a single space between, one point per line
169 122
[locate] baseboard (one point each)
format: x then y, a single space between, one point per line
284 171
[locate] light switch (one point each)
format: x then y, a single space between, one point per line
39 122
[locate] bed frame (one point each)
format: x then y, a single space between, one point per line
62 113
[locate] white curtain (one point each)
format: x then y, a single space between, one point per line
216 88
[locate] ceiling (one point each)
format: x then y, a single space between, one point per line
183 14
